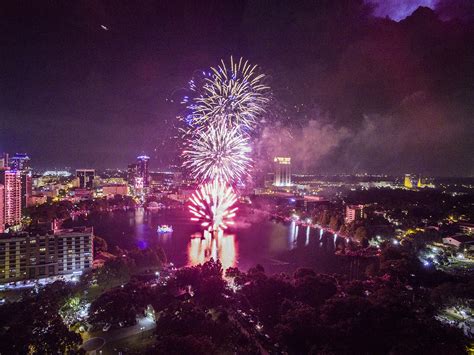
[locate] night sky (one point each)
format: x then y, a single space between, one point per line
357 86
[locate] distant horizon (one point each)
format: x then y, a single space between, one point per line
154 169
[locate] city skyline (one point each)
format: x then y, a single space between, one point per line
104 86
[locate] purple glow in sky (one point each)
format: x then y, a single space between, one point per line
399 9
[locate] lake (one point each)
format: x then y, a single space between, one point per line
254 239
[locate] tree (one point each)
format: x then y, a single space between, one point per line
298 327
361 235
34 324
114 306
334 223
325 218
100 245
315 290
189 344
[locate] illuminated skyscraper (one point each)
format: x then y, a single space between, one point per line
86 178
142 169
21 163
11 180
132 172
282 171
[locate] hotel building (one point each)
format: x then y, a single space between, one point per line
64 252
11 181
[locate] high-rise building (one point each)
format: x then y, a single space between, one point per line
132 172
282 171
20 161
354 212
63 252
2 212
4 161
86 178
26 187
11 180
142 169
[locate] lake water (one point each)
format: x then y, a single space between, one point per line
255 239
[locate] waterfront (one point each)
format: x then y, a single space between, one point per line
253 240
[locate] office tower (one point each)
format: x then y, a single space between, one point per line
354 212
2 212
4 161
142 169
11 180
64 252
282 171
26 187
132 172
20 161
86 178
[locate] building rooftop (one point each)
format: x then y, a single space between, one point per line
462 238
69 231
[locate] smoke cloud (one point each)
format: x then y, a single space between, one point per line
307 145
422 135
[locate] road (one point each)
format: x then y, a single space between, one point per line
143 324
244 331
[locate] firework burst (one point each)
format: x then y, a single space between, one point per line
223 107
233 93
218 152
212 205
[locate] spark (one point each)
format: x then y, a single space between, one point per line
212 205
233 93
218 152
223 106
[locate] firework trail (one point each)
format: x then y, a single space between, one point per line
211 205
218 152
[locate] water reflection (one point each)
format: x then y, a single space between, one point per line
140 227
292 234
165 238
220 246
277 246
